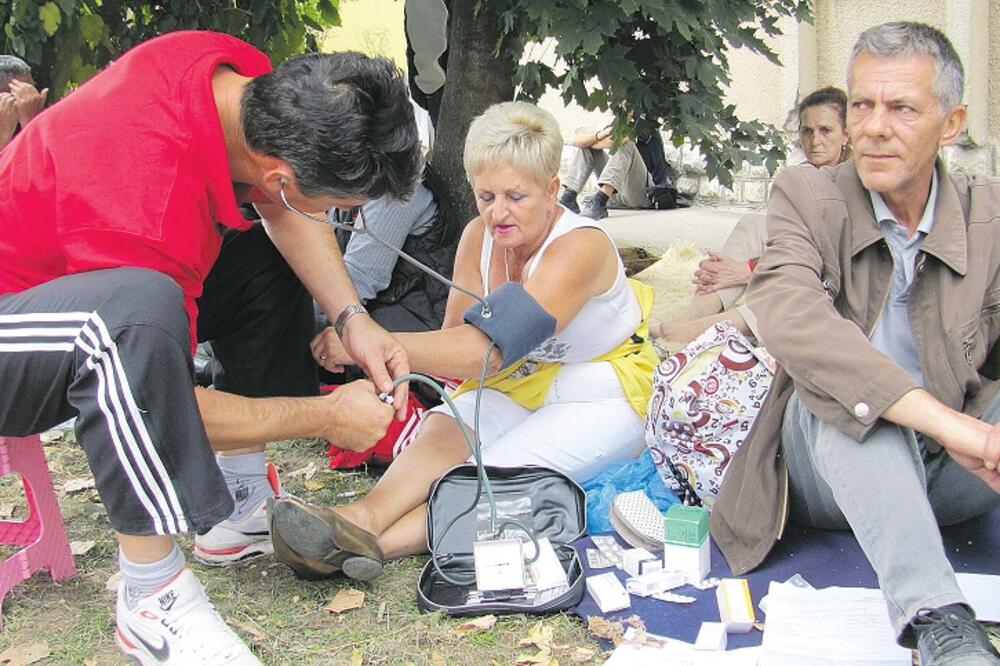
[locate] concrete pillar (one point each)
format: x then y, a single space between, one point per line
967 26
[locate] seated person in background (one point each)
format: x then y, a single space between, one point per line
398 295
878 296
722 277
622 176
20 100
569 377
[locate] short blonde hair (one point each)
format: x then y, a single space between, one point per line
517 133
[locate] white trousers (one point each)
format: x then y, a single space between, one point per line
584 423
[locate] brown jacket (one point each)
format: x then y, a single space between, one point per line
818 292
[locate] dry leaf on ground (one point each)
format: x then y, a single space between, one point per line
582 655
76 485
111 585
80 548
539 636
345 600
438 659
481 623
252 630
7 510
314 485
357 658
22 655
542 658
307 472
611 631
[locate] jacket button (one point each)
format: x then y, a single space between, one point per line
861 410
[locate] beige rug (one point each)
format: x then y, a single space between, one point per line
670 277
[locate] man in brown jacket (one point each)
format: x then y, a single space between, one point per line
879 294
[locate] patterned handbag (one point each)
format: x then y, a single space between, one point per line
705 400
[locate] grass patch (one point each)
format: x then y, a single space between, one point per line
280 616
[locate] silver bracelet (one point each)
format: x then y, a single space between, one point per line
345 314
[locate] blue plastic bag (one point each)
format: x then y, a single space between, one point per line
619 477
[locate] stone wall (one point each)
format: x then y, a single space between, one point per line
752 184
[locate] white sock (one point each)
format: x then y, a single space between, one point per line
142 580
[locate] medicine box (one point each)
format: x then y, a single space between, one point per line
711 636
633 558
608 592
735 605
686 544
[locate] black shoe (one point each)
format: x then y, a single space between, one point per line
594 210
950 635
568 199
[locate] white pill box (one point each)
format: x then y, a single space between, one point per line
608 592
633 559
735 605
711 636
655 582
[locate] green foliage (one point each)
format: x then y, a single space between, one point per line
661 61
67 41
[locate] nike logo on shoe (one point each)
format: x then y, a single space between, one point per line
161 653
167 600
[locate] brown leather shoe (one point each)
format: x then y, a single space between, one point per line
323 536
303 567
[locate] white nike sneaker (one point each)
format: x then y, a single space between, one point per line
234 541
178 625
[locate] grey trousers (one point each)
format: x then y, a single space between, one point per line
893 494
624 171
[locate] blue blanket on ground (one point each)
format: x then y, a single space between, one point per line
823 558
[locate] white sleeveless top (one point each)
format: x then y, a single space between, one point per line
604 321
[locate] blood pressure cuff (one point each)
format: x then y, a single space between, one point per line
517 323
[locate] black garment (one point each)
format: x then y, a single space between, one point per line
259 319
414 301
112 348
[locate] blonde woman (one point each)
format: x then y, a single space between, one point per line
571 396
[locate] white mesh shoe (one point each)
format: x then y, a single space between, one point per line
234 541
178 625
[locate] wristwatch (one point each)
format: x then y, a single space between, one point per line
345 314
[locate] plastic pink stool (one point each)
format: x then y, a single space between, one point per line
42 533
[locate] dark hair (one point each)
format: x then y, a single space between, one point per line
829 96
342 121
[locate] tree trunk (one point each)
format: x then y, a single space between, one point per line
476 79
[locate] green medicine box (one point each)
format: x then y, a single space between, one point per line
685 525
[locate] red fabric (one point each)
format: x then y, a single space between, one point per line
397 437
128 170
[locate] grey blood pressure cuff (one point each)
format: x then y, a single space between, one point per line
517 323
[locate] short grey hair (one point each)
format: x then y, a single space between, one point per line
11 66
903 38
521 134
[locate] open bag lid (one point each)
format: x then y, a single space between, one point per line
556 505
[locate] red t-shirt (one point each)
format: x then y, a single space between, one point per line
128 170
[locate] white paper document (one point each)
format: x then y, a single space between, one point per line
982 591
670 652
836 626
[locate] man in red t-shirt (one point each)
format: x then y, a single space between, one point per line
113 207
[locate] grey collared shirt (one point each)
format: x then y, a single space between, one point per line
893 334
